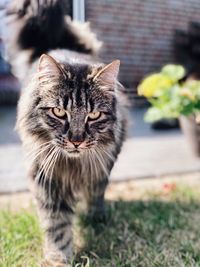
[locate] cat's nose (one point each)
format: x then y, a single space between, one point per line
76 143
76 138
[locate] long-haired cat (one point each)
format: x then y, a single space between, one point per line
70 116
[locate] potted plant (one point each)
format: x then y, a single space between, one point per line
171 96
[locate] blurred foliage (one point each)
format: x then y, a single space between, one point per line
169 96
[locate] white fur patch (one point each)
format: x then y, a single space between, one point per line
85 35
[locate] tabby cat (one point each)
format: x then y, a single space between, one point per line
70 116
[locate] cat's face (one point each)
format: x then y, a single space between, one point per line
76 105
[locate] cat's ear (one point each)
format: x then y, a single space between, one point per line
108 75
48 67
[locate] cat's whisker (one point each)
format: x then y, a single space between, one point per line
36 152
51 168
48 166
48 162
90 166
40 153
64 162
93 163
54 160
44 163
104 151
101 161
37 148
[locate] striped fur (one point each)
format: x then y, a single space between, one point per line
62 172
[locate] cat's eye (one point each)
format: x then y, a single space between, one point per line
58 112
94 115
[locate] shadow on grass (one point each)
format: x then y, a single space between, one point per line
151 233
144 233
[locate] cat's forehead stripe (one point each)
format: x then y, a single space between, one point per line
65 102
78 96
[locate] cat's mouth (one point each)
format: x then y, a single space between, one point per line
74 152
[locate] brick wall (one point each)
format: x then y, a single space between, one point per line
139 32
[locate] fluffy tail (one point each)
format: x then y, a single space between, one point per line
37 26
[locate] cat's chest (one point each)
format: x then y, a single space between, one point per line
79 171
72 169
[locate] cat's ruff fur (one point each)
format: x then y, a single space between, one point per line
72 82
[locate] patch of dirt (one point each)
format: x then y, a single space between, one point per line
137 189
16 201
126 190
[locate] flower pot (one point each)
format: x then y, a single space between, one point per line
192 132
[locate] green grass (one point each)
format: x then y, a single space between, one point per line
160 231
20 239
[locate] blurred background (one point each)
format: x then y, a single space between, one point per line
144 35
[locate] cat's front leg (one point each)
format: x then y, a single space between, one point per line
94 194
56 219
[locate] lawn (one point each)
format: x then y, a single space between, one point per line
160 228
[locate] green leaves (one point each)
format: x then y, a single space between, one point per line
153 114
173 72
170 98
